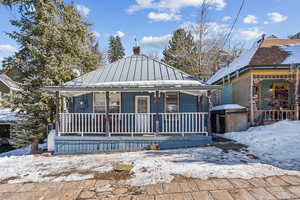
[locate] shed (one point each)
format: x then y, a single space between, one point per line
229 118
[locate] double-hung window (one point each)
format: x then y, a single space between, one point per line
100 102
172 102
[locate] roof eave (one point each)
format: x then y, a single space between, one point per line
126 89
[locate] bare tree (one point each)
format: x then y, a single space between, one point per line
213 50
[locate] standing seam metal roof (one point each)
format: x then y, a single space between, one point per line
132 68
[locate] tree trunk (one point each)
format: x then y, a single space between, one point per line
34 147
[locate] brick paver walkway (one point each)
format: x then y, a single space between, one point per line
277 187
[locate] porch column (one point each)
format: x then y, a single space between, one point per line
209 115
57 113
297 94
251 101
107 125
157 102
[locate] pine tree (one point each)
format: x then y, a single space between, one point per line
53 41
179 51
115 49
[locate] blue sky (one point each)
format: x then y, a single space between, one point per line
153 21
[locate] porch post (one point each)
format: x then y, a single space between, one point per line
251 101
297 94
107 125
209 115
57 113
157 101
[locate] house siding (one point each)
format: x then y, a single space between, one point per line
86 107
226 94
187 103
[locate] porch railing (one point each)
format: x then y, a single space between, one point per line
275 115
133 123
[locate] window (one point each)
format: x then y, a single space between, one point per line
114 103
280 95
99 102
172 105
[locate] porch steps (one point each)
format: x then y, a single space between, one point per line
79 145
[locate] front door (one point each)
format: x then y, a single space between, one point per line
142 116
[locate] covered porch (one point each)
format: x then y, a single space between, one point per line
275 97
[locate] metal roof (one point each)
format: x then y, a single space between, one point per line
136 72
9 82
129 69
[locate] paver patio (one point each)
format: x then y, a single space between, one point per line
276 187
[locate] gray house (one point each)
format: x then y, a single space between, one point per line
131 104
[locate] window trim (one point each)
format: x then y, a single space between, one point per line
165 101
135 102
120 99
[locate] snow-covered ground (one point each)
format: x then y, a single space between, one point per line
277 144
149 166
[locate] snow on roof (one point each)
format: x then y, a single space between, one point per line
243 60
228 107
294 53
264 52
173 83
9 82
6 115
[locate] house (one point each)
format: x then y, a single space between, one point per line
8 87
131 104
265 79
8 118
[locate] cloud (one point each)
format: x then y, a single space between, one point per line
156 42
226 18
249 34
172 5
163 16
83 10
250 19
266 22
120 34
96 34
277 17
7 48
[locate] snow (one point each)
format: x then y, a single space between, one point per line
6 115
240 62
228 107
22 151
277 144
277 147
176 83
160 166
294 51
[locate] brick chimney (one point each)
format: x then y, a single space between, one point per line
136 50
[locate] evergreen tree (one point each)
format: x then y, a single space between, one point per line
180 50
115 49
53 41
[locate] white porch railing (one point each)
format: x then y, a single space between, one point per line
275 115
133 123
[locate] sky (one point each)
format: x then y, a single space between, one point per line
152 22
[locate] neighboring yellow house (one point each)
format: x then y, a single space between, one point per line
265 79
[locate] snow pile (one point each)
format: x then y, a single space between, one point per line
149 167
228 107
277 144
22 151
6 115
